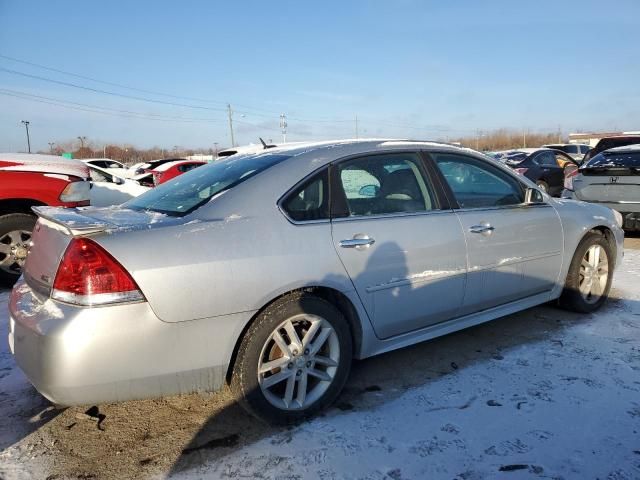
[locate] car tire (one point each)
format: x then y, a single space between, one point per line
318 360
542 185
586 288
15 235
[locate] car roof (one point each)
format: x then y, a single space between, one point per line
166 166
624 149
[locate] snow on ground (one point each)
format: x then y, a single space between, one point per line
540 394
540 410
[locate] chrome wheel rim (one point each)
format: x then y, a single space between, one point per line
298 362
14 247
594 274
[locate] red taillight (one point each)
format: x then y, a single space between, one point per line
89 275
521 170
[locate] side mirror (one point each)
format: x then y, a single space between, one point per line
533 196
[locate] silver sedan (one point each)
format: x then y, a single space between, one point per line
271 271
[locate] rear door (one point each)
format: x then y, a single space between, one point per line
403 250
514 250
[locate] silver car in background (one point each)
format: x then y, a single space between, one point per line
610 178
272 271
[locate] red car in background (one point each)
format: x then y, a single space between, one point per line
169 170
30 180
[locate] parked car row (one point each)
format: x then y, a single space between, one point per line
544 166
31 180
369 246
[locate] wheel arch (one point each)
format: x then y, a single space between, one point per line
19 205
332 295
608 235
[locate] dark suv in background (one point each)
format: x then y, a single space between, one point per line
611 142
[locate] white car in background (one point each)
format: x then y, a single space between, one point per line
108 188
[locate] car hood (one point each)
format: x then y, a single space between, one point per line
25 162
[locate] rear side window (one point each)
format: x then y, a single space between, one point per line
195 188
571 148
310 201
476 184
546 158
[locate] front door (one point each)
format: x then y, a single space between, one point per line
514 250
406 256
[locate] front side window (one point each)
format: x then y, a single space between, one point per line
476 184
195 188
384 184
309 201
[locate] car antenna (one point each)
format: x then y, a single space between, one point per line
264 145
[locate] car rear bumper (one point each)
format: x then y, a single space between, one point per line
78 356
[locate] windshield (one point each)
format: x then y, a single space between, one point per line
615 160
191 190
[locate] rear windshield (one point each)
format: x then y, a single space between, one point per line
189 191
514 158
615 160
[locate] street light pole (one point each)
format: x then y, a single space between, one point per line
283 127
215 146
26 126
51 144
230 113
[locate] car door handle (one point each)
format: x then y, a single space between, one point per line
357 241
484 228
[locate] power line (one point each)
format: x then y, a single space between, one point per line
103 110
104 82
106 92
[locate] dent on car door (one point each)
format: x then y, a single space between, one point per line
514 250
404 254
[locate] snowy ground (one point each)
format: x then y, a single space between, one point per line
540 394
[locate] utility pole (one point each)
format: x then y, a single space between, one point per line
51 144
559 134
215 146
283 127
26 126
524 138
230 113
478 140
356 127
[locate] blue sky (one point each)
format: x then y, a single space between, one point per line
417 69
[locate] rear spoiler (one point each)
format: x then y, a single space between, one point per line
71 220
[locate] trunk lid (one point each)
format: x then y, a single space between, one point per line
57 226
601 187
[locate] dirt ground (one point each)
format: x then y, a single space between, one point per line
179 435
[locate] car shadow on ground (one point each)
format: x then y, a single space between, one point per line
385 377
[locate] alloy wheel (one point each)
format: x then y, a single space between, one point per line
298 362
594 274
14 247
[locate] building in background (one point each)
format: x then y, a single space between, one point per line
593 138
